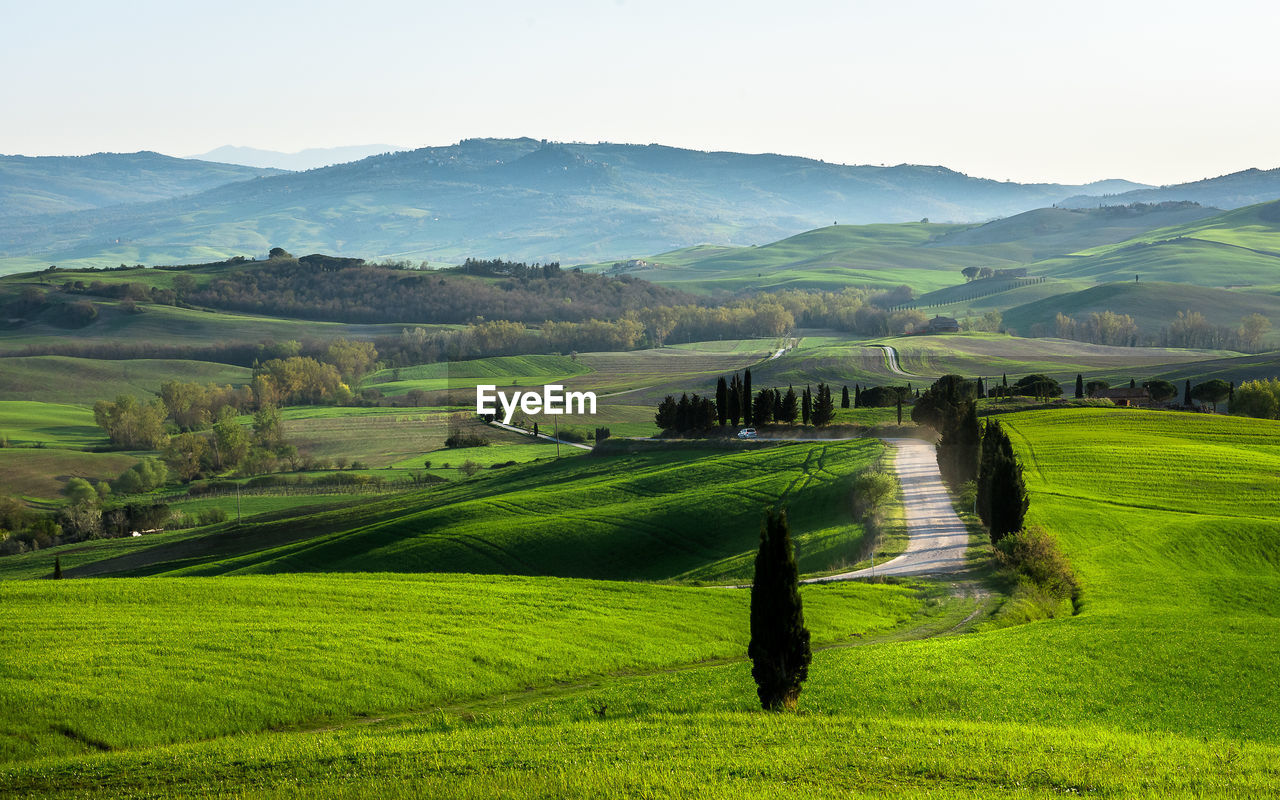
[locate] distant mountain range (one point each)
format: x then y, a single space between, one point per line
51 184
532 200
310 158
1236 190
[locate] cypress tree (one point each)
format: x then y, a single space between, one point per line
1186 395
824 408
57 568
857 396
995 446
777 406
735 399
684 414
806 406
844 398
1009 499
1079 386
790 406
1133 384
899 409
722 400
779 648
982 388
747 417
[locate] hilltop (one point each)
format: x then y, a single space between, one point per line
1243 188
31 185
518 198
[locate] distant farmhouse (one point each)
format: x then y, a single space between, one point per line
943 325
1125 396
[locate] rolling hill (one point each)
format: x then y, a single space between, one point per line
1243 188
1151 304
50 184
518 198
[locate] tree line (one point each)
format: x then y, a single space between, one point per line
1189 329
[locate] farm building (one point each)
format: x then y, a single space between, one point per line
943 325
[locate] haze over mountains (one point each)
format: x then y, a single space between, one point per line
310 158
513 198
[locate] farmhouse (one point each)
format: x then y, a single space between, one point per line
1125 396
943 325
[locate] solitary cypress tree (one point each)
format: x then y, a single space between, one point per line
747 417
1079 386
779 648
982 388
844 398
1133 384
722 400
1186 395
57 568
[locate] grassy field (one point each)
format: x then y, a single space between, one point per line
248 654
1161 686
1152 304
641 515
502 371
60 379
182 326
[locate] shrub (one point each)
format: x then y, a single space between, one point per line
572 435
871 488
1035 553
458 440
469 468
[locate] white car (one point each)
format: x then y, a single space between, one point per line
747 433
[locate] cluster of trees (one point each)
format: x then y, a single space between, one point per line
950 407
735 403
877 396
228 445
1187 329
499 268
352 291
1260 398
686 414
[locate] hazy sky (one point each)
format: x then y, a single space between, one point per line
1159 92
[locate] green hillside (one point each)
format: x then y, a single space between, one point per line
1153 305
1160 686
1240 247
625 517
88 380
244 654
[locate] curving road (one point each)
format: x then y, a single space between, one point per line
891 356
938 539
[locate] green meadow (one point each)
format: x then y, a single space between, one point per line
1161 685
632 516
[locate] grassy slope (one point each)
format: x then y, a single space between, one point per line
252 653
60 379
1152 305
1236 247
639 516
184 326
1162 686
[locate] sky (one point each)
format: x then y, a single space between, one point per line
1157 92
